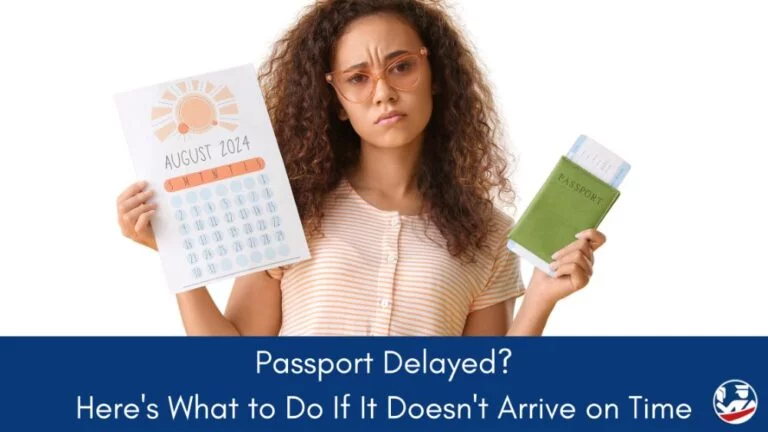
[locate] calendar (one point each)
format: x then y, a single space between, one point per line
206 146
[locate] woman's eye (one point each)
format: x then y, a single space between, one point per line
357 79
401 67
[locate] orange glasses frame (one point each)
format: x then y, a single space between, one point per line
423 52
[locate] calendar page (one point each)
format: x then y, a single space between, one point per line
206 146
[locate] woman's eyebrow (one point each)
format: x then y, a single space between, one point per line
388 57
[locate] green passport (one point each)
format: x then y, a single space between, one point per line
571 200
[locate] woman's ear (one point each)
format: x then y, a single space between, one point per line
343 115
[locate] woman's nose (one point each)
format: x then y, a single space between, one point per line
383 92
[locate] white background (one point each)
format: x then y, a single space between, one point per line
679 89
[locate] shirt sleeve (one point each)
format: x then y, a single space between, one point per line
505 281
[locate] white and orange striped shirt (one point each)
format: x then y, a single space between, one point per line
374 272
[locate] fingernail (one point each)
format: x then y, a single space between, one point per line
554 255
578 235
553 265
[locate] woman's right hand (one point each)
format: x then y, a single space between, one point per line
133 213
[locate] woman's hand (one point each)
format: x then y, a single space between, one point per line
133 213
573 268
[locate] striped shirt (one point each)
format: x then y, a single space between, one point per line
375 272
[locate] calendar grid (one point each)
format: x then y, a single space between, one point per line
229 224
244 271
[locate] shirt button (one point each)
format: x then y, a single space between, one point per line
391 258
384 302
395 222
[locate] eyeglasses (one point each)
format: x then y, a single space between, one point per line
402 73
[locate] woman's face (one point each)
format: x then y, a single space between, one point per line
369 44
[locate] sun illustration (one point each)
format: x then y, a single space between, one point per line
194 107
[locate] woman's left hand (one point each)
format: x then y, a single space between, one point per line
573 268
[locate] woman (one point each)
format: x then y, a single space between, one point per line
391 143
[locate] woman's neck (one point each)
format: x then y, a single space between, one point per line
386 177
389 171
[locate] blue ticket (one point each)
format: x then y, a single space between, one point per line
598 160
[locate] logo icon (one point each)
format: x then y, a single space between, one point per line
735 401
194 107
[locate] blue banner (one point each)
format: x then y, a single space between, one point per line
404 384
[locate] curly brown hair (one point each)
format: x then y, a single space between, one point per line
463 165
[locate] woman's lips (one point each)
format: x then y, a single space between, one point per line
390 120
